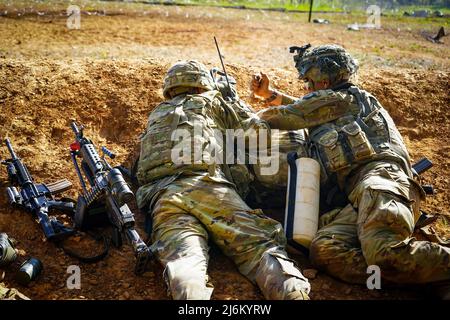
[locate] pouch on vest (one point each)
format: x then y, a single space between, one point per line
331 146
361 147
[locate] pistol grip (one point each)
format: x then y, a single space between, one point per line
61 205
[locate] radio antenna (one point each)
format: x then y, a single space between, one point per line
223 66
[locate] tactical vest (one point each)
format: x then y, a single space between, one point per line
354 139
161 143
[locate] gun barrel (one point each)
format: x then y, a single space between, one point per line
75 129
10 148
108 152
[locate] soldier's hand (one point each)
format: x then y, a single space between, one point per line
260 85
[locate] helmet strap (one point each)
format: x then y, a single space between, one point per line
184 90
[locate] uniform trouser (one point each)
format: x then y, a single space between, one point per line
11 294
190 211
376 229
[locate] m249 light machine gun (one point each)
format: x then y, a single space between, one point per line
108 192
37 198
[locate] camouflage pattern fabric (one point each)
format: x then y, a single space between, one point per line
184 75
226 87
193 114
270 189
287 141
11 294
190 212
357 143
330 62
377 230
194 200
336 248
348 128
241 174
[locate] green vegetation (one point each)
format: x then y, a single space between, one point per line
340 12
389 7
288 5
392 7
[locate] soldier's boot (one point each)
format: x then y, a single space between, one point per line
279 278
187 280
297 295
11 294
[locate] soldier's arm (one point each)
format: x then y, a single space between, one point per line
314 109
248 117
278 98
260 86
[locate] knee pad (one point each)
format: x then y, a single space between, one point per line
277 276
186 279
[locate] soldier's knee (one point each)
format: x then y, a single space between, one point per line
278 277
189 288
319 250
390 261
187 280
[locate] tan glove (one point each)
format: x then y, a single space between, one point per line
260 85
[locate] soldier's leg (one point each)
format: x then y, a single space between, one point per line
11 294
252 240
336 248
387 202
180 244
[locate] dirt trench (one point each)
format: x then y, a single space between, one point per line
108 77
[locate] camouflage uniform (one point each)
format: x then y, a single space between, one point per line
361 150
192 201
240 173
263 186
270 189
11 294
287 141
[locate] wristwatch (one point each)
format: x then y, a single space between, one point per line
272 97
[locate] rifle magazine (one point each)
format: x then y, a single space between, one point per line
59 186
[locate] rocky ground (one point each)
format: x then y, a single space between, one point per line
108 76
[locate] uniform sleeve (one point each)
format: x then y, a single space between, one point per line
312 110
287 99
247 117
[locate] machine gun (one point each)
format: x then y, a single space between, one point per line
37 198
108 191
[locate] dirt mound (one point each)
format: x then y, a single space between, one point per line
107 75
418 103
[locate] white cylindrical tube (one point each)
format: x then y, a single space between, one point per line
307 195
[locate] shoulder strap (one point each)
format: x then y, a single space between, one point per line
87 259
361 100
367 110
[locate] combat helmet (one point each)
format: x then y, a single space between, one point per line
187 74
329 62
